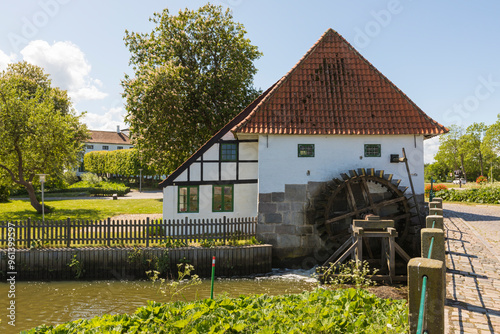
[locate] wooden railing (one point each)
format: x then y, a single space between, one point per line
67 233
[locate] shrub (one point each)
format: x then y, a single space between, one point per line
481 179
69 177
4 193
435 187
486 194
91 178
101 188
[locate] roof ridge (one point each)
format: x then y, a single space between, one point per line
386 79
283 79
358 90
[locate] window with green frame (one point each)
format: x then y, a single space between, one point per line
223 198
373 150
306 150
228 151
188 200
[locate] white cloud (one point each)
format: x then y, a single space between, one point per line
107 121
6 59
431 147
67 66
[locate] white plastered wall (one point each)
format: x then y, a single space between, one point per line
280 165
245 203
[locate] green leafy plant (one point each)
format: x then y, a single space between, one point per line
77 267
156 231
173 288
170 242
485 194
207 243
91 178
348 311
354 273
134 255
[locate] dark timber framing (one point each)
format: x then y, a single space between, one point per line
217 138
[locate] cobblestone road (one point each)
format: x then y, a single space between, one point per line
473 268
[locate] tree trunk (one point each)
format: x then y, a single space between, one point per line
462 163
481 163
34 201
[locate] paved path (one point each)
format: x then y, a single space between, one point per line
473 268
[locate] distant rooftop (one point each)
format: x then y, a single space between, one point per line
109 137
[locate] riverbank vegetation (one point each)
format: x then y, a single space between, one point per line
322 310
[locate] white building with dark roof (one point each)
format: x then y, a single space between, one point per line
106 141
321 147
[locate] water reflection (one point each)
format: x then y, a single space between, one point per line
56 302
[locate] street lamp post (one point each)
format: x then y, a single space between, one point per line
140 180
42 181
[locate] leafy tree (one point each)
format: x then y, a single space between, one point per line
474 146
192 74
39 131
492 137
451 152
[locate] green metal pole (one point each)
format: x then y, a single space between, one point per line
420 323
213 276
431 192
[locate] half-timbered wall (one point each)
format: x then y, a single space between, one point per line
209 170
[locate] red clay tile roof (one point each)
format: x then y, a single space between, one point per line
108 137
334 90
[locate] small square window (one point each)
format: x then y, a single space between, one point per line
228 151
373 150
90 147
188 199
306 150
105 147
119 148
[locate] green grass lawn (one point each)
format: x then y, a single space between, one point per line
88 209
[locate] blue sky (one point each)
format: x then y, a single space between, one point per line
443 54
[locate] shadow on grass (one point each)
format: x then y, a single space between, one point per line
58 214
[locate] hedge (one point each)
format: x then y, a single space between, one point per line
120 162
490 195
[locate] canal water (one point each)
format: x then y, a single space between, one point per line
57 302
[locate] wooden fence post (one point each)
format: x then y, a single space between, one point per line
28 232
224 228
68 232
184 230
147 231
109 231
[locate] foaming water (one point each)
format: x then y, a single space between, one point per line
57 302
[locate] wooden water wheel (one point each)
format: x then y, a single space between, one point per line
356 195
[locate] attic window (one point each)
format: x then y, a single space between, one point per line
373 150
306 150
228 151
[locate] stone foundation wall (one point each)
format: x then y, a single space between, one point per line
282 223
296 242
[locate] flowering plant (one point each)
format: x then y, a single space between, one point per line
481 179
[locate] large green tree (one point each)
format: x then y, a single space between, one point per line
451 153
192 74
39 130
474 145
